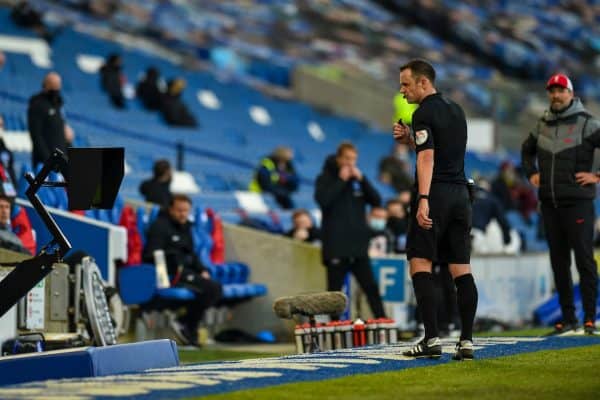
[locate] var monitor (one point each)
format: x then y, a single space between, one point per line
94 177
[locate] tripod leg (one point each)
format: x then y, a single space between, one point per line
314 338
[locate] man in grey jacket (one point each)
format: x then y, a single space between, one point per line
563 142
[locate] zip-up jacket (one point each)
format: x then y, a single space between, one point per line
344 230
563 144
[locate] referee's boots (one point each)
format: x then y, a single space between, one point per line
431 348
564 329
464 351
589 328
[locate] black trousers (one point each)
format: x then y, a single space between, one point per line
572 228
361 269
208 293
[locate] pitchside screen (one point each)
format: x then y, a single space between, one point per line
95 175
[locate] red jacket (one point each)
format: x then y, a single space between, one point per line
21 226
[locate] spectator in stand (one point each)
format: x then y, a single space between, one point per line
276 175
172 233
397 224
173 108
512 192
157 189
382 239
487 208
8 239
6 156
15 228
45 118
112 80
394 169
25 15
149 91
304 228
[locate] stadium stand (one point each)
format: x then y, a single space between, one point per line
220 155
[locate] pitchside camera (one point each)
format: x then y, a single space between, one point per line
93 177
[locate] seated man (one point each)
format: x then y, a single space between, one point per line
157 189
172 233
487 208
276 175
8 239
174 110
112 78
148 89
397 224
16 232
303 228
382 240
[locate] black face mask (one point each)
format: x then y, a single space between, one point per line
397 225
54 96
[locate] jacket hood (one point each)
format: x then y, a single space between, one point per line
575 108
330 165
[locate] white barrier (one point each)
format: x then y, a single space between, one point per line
510 287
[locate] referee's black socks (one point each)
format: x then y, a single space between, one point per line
426 299
466 296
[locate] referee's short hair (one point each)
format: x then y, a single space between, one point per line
420 67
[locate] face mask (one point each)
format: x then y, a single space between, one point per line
53 95
377 224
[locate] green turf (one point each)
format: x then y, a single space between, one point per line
564 374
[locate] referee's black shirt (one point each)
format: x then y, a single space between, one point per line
440 124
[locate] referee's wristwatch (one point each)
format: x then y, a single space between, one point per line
423 196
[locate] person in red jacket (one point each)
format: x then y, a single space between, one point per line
21 226
15 228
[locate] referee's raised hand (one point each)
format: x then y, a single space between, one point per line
401 132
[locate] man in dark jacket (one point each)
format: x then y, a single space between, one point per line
172 233
563 142
157 189
486 207
148 90
46 121
111 80
343 193
173 108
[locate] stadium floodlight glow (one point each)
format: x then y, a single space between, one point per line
93 177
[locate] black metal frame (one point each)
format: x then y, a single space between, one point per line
28 273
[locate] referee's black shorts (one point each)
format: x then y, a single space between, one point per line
449 240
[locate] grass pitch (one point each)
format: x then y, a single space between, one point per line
560 374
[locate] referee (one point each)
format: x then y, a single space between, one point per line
440 213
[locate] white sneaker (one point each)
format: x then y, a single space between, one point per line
464 351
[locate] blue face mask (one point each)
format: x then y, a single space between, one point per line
377 224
